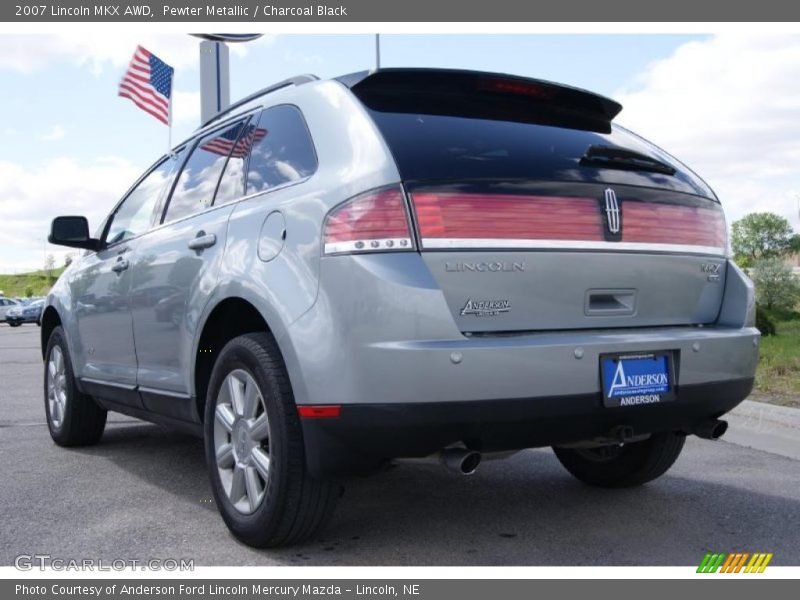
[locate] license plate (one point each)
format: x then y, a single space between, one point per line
637 379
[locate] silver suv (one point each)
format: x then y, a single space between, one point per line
334 275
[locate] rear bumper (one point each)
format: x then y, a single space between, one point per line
365 436
381 342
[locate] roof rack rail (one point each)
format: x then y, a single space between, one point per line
296 80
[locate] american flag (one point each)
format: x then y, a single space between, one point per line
229 142
148 82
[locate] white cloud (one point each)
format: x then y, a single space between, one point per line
31 196
57 132
729 107
28 53
186 106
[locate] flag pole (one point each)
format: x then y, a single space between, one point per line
169 124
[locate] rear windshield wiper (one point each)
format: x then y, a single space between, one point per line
610 157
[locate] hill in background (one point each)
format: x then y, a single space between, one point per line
36 283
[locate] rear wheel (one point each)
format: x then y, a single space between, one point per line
623 465
254 449
74 419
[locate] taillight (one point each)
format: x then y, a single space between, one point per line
448 220
453 220
657 223
376 221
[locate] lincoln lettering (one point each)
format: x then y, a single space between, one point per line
482 267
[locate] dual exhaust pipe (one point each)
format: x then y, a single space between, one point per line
465 462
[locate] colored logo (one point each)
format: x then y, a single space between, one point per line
738 562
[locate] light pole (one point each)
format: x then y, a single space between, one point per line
215 86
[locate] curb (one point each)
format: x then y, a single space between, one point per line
766 427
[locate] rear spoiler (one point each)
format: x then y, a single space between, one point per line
476 94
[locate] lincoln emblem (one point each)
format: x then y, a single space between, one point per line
612 210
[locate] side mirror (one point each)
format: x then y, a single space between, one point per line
72 232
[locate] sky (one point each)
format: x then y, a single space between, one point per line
727 105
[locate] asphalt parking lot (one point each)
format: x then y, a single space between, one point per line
142 493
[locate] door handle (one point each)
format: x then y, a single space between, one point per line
202 241
120 265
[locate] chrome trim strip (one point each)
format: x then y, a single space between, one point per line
158 392
113 384
490 243
381 245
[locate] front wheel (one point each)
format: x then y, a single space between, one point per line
623 465
74 419
254 449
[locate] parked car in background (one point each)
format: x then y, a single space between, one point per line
25 313
334 275
6 304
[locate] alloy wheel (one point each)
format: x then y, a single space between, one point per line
56 387
241 441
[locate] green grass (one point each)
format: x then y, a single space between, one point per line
38 282
778 375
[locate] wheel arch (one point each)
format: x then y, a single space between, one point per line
230 317
50 320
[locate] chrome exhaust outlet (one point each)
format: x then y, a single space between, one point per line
712 429
461 460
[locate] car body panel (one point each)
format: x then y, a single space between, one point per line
398 343
171 284
101 304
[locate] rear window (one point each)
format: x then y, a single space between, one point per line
435 147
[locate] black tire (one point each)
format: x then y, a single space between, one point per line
622 466
294 505
14 324
83 421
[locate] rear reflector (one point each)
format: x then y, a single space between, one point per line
373 222
450 220
319 412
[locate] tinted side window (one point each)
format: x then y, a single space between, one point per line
282 150
134 216
232 183
199 177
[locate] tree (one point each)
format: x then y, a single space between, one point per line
776 285
68 260
761 235
28 292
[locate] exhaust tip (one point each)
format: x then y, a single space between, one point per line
713 429
719 429
470 463
461 460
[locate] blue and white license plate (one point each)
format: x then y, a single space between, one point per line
636 379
